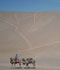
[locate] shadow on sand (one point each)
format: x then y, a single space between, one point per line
23 68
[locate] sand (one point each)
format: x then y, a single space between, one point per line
35 35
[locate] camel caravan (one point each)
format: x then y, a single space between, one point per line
22 61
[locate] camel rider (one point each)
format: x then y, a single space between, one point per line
16 58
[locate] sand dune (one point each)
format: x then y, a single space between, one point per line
34 35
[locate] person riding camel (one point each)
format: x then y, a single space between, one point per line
16 58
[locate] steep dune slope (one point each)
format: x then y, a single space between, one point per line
34 35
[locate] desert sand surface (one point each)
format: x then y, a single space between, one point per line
35 35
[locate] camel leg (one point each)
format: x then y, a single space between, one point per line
14 64
34 63
11 66
27 64
19 64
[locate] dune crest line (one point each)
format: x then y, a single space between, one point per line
45 45
21 34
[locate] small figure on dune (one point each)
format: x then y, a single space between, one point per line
16 58
23 61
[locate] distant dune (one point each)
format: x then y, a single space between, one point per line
34 35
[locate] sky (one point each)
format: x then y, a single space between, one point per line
29 5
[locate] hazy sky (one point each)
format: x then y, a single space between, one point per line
29 5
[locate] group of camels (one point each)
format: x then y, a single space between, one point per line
22 61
